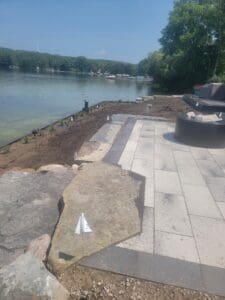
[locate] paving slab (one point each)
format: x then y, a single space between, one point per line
149 192
167 182
222 208
209 236
145 148
107 133
143 167
210 168
165 161
217 187
171 214
176 246
184 158
200 201
201 153
190 174
110 200
143 241
220 159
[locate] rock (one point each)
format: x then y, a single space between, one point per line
27 279
52 168
39 247
75 168
29 208
109 198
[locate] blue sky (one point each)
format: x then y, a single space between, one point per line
124 30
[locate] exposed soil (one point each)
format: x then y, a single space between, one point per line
85 283
57 143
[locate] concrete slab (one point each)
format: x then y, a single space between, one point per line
220 159
143 167
184 158
110 199
176 246
200 201
167 182
143 241
145 148
209 236
165 161
217 187
201 153
171 214
149 192
222 208
190 174
107 133
210 168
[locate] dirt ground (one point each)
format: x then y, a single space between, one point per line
89 284
58 142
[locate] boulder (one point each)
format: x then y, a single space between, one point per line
110 200
39 247
52 168
27 279
29 208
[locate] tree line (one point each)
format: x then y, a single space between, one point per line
192 46
30 61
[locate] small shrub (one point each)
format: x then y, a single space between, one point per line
51 128
25 140
5 150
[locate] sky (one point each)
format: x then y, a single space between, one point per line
124 30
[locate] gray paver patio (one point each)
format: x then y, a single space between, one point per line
183 233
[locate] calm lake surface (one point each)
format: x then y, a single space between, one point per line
29 101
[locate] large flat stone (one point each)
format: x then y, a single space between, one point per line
27 279
29 208
171 214
209 236
217 187
109 198
176 246
167 182
200 201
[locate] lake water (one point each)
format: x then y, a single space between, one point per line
29 101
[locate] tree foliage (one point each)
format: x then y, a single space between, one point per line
28 61
193 45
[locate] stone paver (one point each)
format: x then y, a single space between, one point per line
200 201
217 187
143 167
174 245
209 236
171 214
201 153
210 168
222 208
167 182
190 174
149 192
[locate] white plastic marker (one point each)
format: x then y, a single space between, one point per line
82 225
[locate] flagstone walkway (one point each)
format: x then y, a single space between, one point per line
183 231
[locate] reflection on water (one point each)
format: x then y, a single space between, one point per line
29 101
